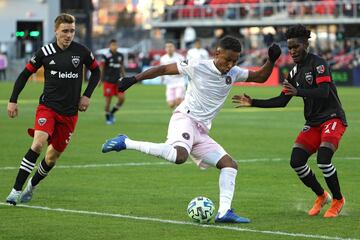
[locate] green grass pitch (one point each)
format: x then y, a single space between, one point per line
130 195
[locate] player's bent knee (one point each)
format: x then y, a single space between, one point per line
227 161
182 155
299 157
37 146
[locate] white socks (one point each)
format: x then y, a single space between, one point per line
162 150
227 188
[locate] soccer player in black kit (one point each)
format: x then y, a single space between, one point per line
325 118
112 69
57 112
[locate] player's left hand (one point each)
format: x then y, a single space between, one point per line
289 89
242 100
274 52
84 103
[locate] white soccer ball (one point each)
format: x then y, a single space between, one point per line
201 209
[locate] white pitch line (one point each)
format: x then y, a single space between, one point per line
150 219
134 164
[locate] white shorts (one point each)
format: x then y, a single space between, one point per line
186 132
173 93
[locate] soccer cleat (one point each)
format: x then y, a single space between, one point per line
27 193
13 197
230 217
113 119
319 203
335 208
114 144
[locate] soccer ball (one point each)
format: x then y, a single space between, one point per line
201 209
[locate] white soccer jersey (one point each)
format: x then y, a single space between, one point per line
172 81
208 88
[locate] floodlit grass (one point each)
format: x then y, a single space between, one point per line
267 189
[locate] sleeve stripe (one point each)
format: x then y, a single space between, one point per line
93 65
31 68
323 79
52 48
44 51
48 49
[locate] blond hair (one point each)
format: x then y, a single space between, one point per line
64 18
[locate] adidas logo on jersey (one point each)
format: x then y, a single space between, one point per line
52 62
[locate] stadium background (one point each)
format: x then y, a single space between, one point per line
131 202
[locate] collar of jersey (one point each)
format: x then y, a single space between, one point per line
59 49
214 68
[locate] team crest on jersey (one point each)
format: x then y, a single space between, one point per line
305 128
184 63
228 80
320 69
309 78
186 136
75 61
42 121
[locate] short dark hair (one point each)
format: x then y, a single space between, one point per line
112 41
230 43
298 31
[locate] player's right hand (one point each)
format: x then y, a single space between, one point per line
126 82
12 109
274 52
242 100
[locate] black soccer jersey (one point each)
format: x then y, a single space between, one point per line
63 72
112 65
309 75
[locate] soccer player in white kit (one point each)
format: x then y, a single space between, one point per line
175 84
210 82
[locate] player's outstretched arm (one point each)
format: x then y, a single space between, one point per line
265 71
169 69
246 101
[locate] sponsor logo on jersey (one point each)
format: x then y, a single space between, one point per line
186 136
309 78
53 72
75 61
52 62
320 69
42 121
68 75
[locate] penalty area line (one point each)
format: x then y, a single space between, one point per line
150 219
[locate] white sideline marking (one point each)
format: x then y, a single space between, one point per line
164 163
239 229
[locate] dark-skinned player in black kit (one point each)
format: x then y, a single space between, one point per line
325 125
